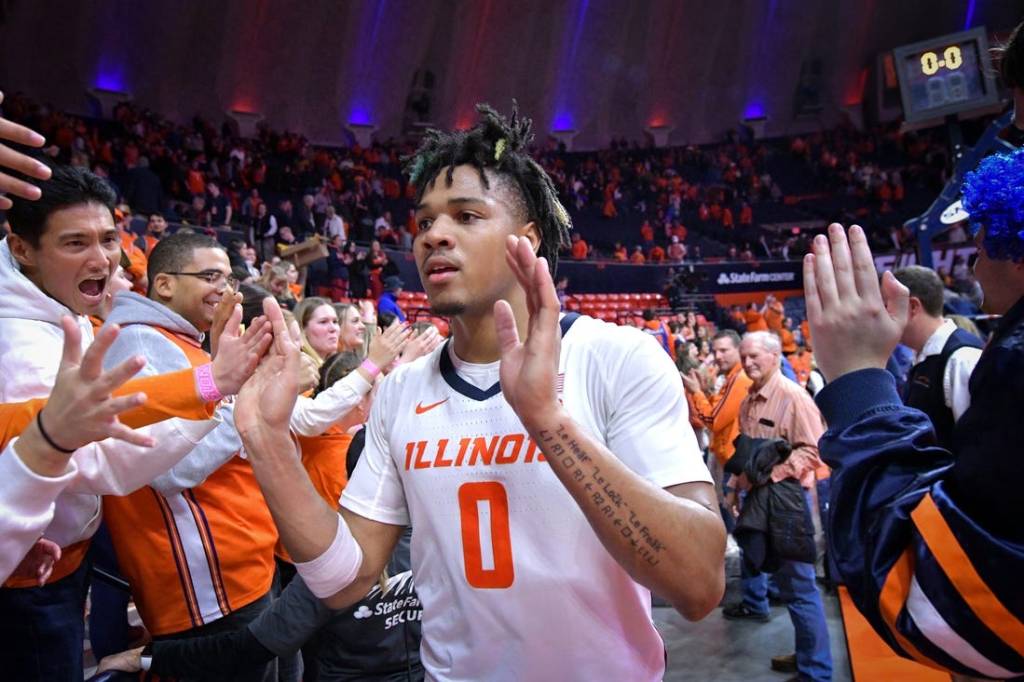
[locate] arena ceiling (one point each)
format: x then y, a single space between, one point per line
602 68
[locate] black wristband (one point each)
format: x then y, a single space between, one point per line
46 436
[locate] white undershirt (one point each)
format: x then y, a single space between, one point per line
483 376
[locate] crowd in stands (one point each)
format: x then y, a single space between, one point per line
630 203
182 296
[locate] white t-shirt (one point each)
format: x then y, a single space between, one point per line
514 582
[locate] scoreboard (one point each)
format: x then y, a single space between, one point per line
945 75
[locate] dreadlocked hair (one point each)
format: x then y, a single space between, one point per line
497 145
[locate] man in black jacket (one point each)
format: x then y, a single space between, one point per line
775 524
945 354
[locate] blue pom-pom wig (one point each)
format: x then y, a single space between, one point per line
993 196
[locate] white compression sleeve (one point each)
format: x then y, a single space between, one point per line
336 568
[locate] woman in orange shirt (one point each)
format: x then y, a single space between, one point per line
754 319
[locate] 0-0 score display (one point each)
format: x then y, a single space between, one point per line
946 75
952 58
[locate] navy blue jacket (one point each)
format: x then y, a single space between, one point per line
930 543
388 304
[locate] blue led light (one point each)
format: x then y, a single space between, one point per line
563 121
754 110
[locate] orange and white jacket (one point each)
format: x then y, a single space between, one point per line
31 345
28 500
198 542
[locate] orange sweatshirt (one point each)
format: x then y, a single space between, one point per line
721 412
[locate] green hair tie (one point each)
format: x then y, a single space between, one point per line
417 169
499 148
560 213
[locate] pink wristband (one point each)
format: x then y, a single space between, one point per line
371 369
208 390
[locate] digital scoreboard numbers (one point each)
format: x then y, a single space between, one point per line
945 75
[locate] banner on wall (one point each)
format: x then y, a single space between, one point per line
727 278
942 258
699 278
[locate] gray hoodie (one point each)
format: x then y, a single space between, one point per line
31 345
138 317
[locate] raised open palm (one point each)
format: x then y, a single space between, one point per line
264 404
529 367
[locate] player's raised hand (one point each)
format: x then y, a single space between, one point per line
239 353
529 368
264 404
855 323
13 160
309 374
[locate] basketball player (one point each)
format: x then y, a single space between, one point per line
550 482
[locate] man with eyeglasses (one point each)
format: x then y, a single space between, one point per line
197 544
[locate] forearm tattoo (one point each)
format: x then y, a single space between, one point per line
564 451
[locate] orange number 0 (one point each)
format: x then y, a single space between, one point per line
498 573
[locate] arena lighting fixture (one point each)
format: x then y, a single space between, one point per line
566 137
659 133
756 124
363 132
105 99
247 120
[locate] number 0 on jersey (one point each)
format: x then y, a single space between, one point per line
486 539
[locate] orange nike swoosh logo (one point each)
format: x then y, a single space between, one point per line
421 408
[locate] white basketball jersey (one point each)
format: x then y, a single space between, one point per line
514 582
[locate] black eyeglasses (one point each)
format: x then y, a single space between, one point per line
214 277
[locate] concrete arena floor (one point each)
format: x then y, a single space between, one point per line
720 650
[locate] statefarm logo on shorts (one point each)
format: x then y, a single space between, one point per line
734 278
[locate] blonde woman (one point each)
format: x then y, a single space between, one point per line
313 416
357 325
318 322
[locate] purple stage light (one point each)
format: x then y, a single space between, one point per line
754 110
562 121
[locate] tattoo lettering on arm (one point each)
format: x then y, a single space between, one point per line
567 453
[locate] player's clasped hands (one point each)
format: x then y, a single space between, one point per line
855 323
